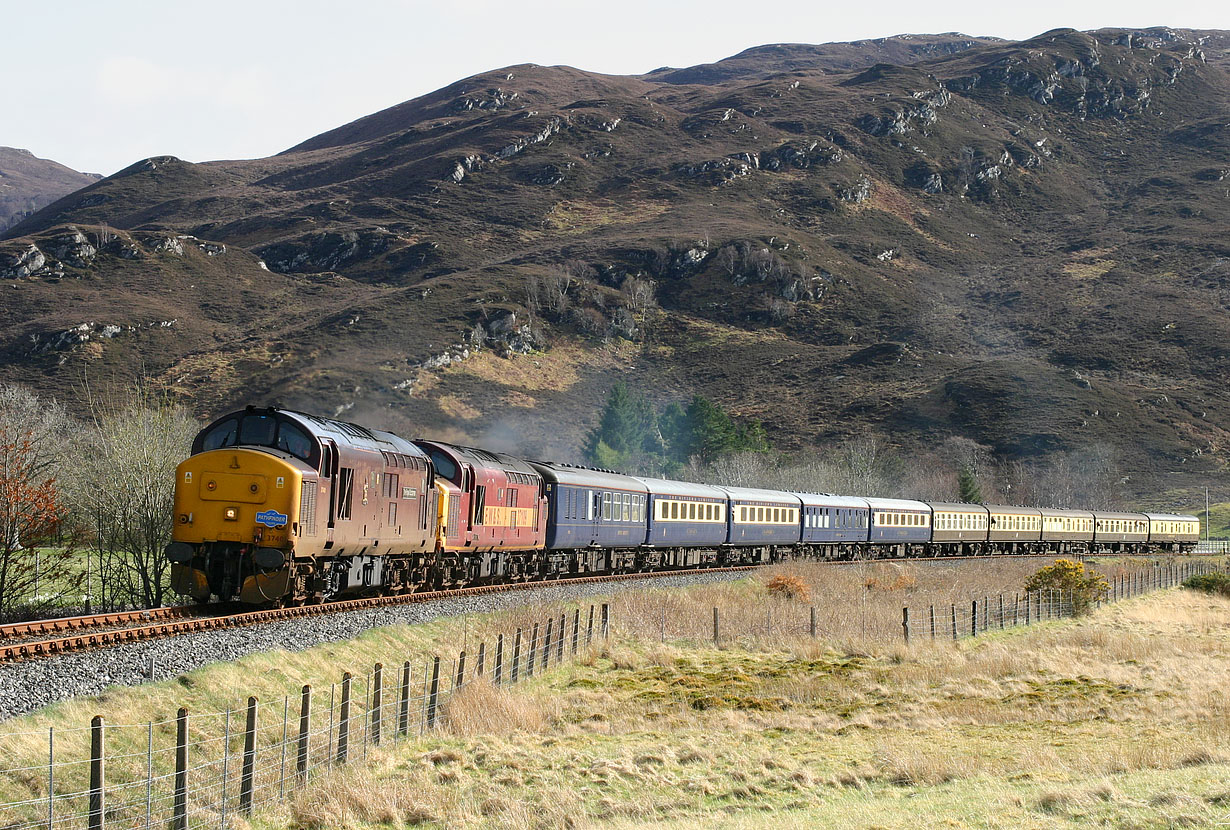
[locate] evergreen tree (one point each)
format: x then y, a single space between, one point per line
967 483
626 430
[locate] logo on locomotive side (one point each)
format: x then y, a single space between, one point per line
271 518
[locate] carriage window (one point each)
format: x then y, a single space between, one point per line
606 506
674 510
627 505
223 435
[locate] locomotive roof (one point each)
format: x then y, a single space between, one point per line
897 504
340 432
585 477
669 487
828 500
753 494
344 432
485 458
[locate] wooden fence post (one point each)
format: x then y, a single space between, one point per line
954 621
305 731
249 759
179 807
343 721
905 623
377 702
606 621
516 663
813 622
932 615
717 642
559 641
576 629
498 675
546 644
461 671
589 632
434 694
98 803
531 652
973 619
403 709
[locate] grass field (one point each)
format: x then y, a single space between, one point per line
1118 719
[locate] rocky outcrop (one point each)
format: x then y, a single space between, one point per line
24 262
326 251
902 117
73 248
491 99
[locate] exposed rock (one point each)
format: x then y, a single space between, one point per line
492 99
73 248
23 263
552 127
326 251
934 184
903 117
859 192
212 248
464 166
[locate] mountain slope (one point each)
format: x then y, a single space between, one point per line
1013 242
28 183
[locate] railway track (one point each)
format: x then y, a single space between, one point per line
21 641
102 630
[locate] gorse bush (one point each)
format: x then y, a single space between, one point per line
1084 586
1213 583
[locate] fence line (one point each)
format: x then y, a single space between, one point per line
200 770
999 612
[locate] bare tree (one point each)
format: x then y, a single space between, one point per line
123 493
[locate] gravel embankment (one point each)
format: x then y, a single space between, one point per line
30 685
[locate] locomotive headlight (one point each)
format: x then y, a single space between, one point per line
183 518
231 514
212 485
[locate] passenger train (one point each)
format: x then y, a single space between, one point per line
276 507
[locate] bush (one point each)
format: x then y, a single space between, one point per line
1083 585
1214 583
788 586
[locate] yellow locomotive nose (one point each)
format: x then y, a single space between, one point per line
231 504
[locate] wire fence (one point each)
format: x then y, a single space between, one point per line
1212 547
201 770
994 613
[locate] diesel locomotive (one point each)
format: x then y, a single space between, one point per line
276 507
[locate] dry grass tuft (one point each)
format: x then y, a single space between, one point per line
483 709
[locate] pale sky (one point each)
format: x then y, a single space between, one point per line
98 85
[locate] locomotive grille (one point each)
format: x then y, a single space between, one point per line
307 508
454 516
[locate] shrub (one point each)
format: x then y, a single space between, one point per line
788 586
1083 585
1212 583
